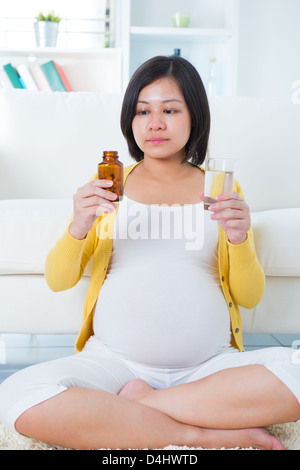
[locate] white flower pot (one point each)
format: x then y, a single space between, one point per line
46 33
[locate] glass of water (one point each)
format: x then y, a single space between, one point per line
219 176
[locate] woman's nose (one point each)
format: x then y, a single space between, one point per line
156 124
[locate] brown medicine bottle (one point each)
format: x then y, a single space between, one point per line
112 169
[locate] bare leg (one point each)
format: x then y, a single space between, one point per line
81 418
237 398
90 419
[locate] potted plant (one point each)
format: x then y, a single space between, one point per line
46 29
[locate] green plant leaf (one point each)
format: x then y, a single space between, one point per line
49 17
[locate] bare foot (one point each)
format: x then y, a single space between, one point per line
256 438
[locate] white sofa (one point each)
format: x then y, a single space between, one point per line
51 143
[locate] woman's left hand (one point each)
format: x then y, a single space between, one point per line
233 215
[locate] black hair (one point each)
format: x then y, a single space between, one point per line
189 80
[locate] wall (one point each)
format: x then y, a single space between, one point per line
215 14
159 12
269 48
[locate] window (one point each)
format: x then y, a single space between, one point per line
84 24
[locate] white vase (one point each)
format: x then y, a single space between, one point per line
46 33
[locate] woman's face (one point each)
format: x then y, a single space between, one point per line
162 123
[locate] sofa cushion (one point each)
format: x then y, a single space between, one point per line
263 137
29 229
277 241
51 142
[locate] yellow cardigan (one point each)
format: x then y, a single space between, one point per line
242 277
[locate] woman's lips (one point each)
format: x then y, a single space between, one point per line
157 140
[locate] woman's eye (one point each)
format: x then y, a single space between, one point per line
142 112
170 111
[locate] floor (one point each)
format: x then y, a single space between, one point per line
19 351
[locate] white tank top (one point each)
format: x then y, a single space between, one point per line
161 303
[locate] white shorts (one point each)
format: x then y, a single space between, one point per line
97 367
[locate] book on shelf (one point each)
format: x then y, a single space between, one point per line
13 76
26 77
40 78
22 83
47 77
55 78
62 76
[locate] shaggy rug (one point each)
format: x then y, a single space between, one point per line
289 435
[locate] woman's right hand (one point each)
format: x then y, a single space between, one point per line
91 201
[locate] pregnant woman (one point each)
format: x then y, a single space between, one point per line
159 356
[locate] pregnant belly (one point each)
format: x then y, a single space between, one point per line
159 322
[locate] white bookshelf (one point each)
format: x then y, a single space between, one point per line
41 52
140 33
98 69
212 33
182 34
